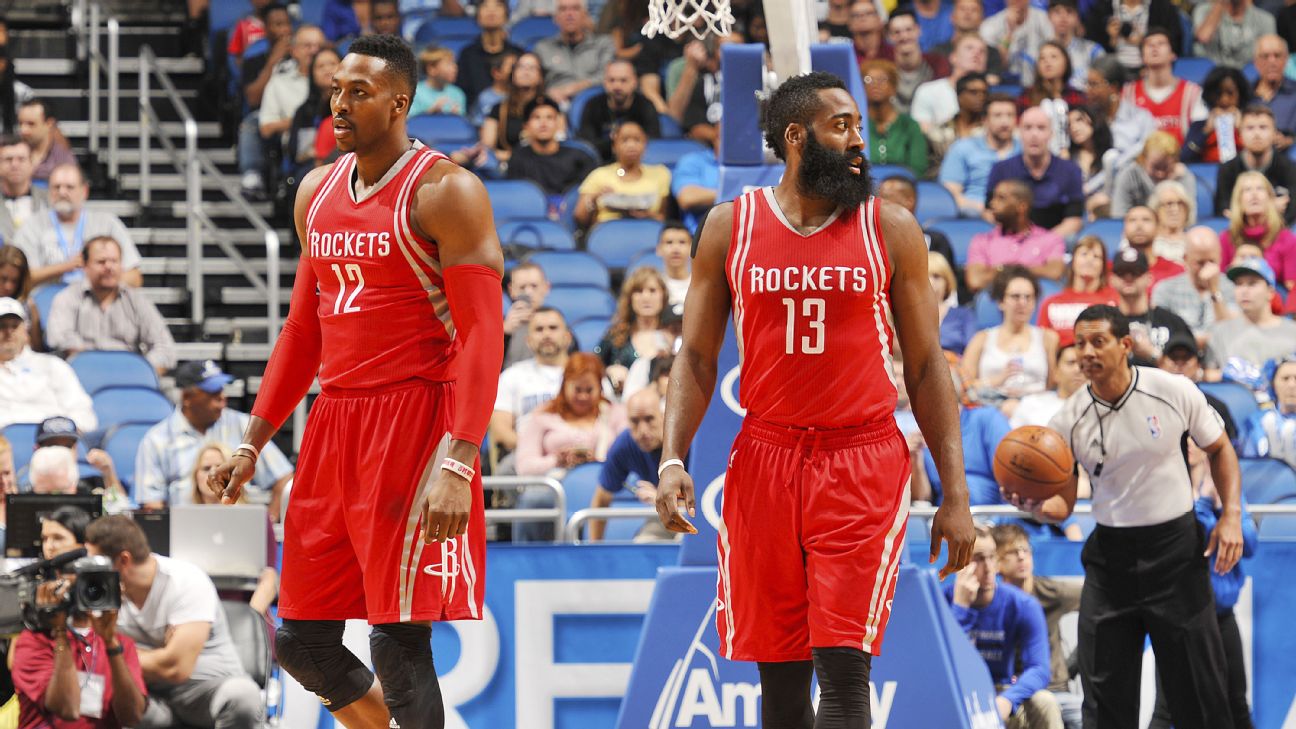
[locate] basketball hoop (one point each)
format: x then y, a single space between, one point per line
702 18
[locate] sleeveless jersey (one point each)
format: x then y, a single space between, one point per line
382 306
813 317
1174 113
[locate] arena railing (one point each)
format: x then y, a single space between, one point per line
194 164
86 18
576 524
553 514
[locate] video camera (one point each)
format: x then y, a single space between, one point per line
97 588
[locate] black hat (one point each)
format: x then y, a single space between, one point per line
206 376
1129 261
55 427
1181 341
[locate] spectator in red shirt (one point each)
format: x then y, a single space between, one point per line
53 672
247 30
1084 284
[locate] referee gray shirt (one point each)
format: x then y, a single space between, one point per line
1140 440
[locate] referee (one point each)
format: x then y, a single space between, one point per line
1146 568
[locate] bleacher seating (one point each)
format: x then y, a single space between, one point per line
1219 225
122 404
572 268
1238 398
1205 199
517 200
882 172
1278 527
960 231
1267 480
437 30
1110 230
43 297
1193 68
536 234
619 241
579 484
669 151
577 107
99 369
589 332
934 202
445 132
529 30
22 439
581 302
121 443
647 257
1206 173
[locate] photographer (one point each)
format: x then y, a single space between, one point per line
81 673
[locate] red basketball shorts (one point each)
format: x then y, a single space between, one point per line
810 542
353 536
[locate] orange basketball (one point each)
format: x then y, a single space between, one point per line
1033 462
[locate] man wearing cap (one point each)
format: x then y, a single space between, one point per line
166 456
1271 432
62 432
1150 326
1258 335
100 312
1200 295
1180 356
36 386
1139 233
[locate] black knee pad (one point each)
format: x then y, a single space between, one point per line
402 657
312 652
844 687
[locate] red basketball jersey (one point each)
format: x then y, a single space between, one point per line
382 306
1172 114
812 314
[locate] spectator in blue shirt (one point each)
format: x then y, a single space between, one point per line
1227 587
1057 184
438 93
695 183
1004 623
1272 433
1272 88
982 429
965 171
632 462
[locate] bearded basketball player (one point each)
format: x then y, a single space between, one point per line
814 272
397 306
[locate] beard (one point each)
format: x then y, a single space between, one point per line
827 174
63 207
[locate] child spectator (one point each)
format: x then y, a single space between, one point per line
438 94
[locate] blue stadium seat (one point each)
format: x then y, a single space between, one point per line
128 404
1193 68
445 132
1219 225
589 332
1267 480
668 151
517 200
670 129
1013 90
647 258
960 232
581 302
566 210
536 234
934 202
1048 287
578 103
43 298
1207 173
583 146
1109 230
881 172
22 441
97 370
987 311
1205 199
532 29
1278 526
1240 400
455 44
580 483
1249 71
617 241
572 268
438 29
121 444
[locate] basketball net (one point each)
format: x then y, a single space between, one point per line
702 18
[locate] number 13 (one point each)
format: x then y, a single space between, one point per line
813 310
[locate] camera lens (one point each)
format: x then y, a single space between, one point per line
95 592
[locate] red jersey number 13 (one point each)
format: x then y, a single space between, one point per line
813 311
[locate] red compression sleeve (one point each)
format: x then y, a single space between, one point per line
296 357
477 307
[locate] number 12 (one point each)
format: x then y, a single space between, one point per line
813 310
355 276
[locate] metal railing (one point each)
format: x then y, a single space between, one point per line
86 17
193 164
554 514
579 519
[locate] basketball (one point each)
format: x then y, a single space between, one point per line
1033 462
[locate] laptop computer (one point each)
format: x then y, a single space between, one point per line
225 541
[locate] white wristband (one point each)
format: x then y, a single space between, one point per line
667 464
458 468
253 450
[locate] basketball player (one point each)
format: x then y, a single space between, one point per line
397 307
816 494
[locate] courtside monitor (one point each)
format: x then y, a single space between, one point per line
25 512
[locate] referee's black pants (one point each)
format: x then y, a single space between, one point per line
1150 581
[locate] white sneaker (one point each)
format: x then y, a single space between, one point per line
251 181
